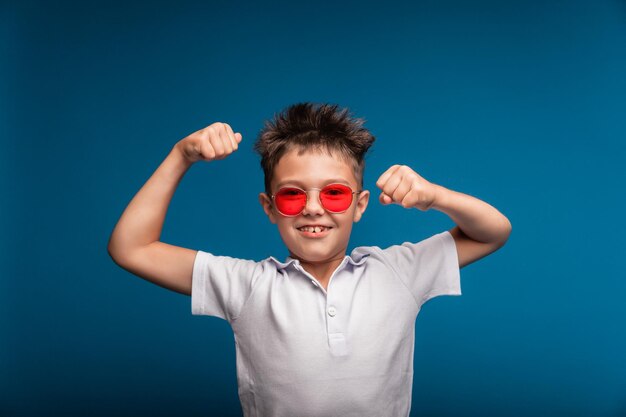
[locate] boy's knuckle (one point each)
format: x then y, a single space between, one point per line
408 201
216 141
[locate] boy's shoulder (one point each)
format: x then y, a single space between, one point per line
426 240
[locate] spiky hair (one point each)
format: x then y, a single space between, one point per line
307 126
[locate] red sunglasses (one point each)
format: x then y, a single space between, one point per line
335 198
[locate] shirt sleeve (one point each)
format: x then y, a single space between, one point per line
221 285
428 268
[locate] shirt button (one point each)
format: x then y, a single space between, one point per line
332 311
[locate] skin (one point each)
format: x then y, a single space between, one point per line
480 228
135 242
315 169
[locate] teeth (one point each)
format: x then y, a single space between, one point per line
313 229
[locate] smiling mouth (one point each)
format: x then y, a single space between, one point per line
314 229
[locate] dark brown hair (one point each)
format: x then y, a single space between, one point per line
306 126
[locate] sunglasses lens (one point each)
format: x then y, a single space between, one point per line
290 201
336 197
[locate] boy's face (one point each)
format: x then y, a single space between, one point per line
315 169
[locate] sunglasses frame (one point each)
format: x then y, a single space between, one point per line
306 194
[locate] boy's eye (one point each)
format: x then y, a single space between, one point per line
289 192
336 191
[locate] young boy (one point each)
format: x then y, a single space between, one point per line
323 333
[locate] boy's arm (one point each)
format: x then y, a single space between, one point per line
481 229
134 244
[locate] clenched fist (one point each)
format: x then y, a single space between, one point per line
403 186
215 141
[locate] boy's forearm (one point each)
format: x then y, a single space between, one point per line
476 219
142 220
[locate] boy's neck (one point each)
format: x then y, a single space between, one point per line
321 271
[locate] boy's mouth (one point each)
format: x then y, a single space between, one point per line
314 229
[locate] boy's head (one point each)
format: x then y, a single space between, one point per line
313 160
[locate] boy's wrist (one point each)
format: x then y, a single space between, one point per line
441 197
179 156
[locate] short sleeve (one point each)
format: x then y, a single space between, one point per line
428 268
221 285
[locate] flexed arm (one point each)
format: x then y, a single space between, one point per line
134 244
480 228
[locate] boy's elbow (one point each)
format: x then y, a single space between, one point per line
116 252
111 247
505 233
115 256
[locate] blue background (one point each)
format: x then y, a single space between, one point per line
521 104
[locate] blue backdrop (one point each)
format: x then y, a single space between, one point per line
521 104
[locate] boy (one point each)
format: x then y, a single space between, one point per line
323 333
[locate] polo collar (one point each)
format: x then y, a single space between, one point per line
355 259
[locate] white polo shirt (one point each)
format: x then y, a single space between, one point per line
303 351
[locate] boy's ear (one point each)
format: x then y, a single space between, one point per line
266 202
361 205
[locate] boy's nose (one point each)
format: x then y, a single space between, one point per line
313 205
